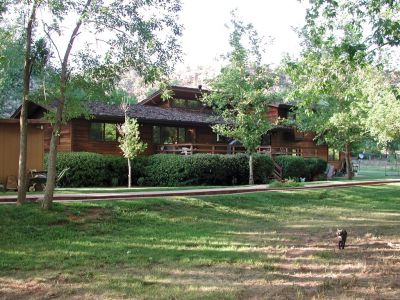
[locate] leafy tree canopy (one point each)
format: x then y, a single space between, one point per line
242 90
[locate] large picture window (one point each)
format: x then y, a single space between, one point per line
173 135
103 131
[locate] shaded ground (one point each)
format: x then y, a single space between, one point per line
277 245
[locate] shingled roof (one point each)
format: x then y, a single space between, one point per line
152 113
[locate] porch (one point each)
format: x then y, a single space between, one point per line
193 148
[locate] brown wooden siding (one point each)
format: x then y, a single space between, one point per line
9 149
282 139
205 135
82 142
65 141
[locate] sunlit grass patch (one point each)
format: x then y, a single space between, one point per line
258 245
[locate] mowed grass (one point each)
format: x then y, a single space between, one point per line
90 190
278 245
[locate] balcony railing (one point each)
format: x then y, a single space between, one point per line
187 149
190 148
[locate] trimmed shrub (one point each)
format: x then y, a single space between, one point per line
207 169
91 169
314 167
293 166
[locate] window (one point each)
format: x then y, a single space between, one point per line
183 103
103 131
178 103
172 135
333 154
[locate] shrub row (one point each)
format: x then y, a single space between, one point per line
171 170
91 169
296 166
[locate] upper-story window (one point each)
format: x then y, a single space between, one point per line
103 131
183 103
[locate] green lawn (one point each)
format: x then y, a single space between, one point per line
117 189
277 245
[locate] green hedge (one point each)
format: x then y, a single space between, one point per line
91 169
297 166
293 166
314 167
209 169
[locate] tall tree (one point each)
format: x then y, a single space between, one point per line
242 90
23 120
329 100
333 82
141 35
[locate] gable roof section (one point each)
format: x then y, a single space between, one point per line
179 92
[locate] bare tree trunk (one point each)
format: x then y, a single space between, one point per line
129 173
349 170
251 175
51 168
23 119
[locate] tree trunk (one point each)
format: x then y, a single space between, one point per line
129 173
23 119
251 175
349 170
51 161
51 168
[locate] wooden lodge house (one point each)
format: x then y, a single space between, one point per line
180 125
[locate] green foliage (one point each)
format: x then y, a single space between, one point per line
293 166
210 169
90 169
11 69
130 142
242 89
314 167
129 249
342 94
325 18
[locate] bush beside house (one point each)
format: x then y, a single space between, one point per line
91 169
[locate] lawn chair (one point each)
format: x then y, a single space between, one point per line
186 151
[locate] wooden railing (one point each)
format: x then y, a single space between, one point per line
295 151
190 148
187 149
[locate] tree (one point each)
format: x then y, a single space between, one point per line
329 100
130 142
334 83
242 91
11 66
141 35
381 16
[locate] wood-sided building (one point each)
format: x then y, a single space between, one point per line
9 147
179 125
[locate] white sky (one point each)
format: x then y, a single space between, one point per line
205 36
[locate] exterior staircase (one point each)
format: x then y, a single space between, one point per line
277 172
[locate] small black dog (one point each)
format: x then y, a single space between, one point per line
341 235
